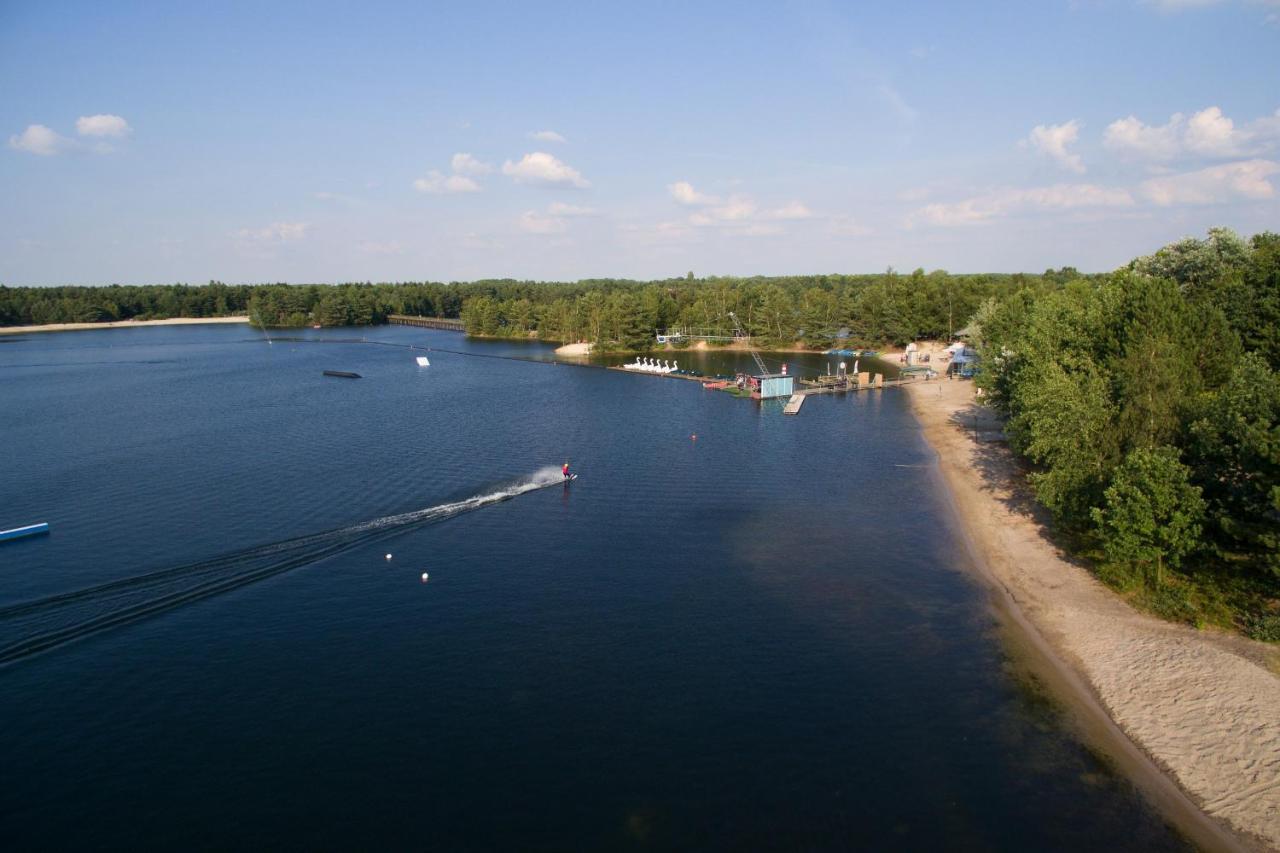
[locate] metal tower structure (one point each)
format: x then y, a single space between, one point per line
737 327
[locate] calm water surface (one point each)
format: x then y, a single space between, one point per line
764 638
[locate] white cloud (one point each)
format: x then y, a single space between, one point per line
533 222
1207 133
38 139
998 203
102 125
1214 184
276 232
555 220
1211 133
546 136
738 207
541 168
1052 140
465 164
437 184
1131 136
559 208
969 212
738 214
1268 127
791 210
684 193
662 234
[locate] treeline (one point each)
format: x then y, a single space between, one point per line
816 311
813 311
351 304
25 306
1149 403
265 304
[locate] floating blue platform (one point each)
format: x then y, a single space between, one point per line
29 530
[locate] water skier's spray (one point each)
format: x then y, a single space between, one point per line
37 626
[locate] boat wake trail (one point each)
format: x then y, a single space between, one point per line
37 626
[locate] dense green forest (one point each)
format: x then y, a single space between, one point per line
616 314
23 306
788 311
266 304
1149 405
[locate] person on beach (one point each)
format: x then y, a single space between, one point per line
565 469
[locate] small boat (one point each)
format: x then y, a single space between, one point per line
29 530
344 374
423 361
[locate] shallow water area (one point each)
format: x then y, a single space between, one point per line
764 637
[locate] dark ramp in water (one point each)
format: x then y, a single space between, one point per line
23 532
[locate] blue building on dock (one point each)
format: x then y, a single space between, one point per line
773 385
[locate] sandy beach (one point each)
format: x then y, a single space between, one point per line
574 350
1202 706
118 324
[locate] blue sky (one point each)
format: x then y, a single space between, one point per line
301 142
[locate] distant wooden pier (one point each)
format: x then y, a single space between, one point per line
822 385
448 323
876 384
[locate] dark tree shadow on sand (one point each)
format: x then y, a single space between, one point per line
1004 473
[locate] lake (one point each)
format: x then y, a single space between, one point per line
764 637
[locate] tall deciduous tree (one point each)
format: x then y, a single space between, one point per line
1152 513
1235 454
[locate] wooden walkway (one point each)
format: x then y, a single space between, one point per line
854 387
794 404
427 322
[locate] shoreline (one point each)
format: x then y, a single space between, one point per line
118 324
1190 716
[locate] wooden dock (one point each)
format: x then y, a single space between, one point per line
853 387
865 382
449 323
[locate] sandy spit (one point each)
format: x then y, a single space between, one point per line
1203 706
578 349
118 324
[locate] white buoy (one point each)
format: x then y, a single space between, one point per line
388 556
424 577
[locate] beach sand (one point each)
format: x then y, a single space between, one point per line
579 349
118 324
1202 706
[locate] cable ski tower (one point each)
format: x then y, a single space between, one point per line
737 327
